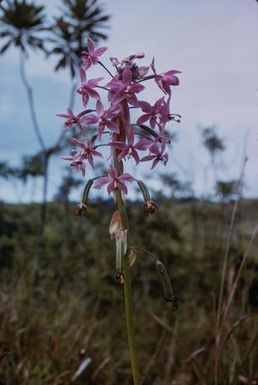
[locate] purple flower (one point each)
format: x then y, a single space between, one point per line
104 118
86 87
165 115
72 119
157 154
88 150
113 181
129 148
76 162
165 79
162 137
124 89
151 112
91 56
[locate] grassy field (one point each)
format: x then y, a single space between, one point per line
60 303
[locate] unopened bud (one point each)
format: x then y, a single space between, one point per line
137 55
115 224
120 278
142 71
114 61
81 209
150 207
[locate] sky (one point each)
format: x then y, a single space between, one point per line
214 44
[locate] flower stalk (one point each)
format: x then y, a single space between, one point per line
125 142
128 296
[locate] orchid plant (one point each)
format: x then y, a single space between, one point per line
145 140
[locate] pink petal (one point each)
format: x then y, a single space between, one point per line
90 160
137 88
101 181
172 72
114 61
112 126
63 115
126 177
70 112
83 75
97 153
146 107
94 94
90 47
127 76
100 51
153 122
99 108
132 99
143 144
154 148
94 82
147 158
142 119
77 142
112 172
154 164
90 119
118 96
135 156
122 187
110 187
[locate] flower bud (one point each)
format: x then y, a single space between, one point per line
139 55
150 207
120 278
114 61
115 224
81 209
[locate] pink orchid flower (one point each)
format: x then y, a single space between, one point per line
76 162
152 113
113 181
162 136
88 150
86 87
165 115
157 154
165 79
129 148
124 89
91 56
72 119
104 118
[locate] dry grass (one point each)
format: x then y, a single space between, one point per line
48 332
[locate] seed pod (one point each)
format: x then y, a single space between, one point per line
167 287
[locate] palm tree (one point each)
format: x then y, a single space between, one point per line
20 24
81 19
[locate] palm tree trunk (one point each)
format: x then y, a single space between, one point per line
45 162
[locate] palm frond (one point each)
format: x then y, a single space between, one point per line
21 21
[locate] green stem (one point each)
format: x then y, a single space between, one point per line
128 297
